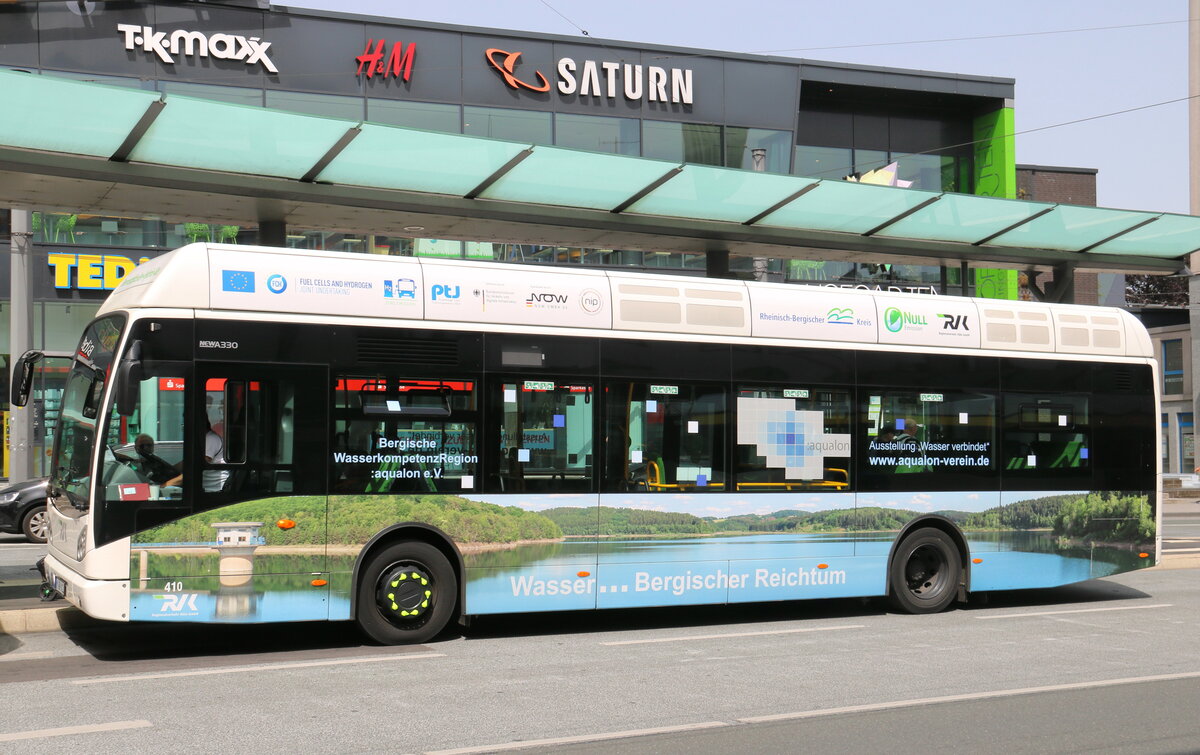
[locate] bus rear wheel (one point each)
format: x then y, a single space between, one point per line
406 594
925 572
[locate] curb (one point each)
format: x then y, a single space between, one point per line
27 620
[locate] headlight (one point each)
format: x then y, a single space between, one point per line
9 497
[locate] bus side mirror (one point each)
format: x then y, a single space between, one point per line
22 379
129 380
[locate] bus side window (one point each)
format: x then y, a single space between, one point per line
1046 436
395 435
793 439
937 439
546 436
665 438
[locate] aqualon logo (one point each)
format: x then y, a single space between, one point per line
895 319
181 42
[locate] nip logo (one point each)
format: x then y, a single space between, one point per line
438 291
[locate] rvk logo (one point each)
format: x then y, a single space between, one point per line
954 322
178 603
438 291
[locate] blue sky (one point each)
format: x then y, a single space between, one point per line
1141 156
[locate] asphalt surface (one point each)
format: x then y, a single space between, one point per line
1102 666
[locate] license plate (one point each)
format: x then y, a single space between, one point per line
59 584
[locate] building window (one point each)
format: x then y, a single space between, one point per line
1166 435
682 142
235 95
516 125
429 116
1172 366
922 171
931 172
328 105
1187 442
823 162
757 149
619 136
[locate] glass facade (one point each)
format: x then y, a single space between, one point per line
928 172
682 142
429 116
757 149
621 136
515 125
824 162
328 105
235 95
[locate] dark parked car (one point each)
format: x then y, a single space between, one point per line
23 510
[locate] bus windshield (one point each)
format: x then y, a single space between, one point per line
71 474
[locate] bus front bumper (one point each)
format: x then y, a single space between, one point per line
99 598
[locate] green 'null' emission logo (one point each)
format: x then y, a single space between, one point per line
895 319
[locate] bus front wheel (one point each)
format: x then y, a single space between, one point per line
406 594
925 572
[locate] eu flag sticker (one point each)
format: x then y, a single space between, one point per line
241 281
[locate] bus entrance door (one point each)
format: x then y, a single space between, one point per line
254 547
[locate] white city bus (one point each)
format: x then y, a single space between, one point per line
253 434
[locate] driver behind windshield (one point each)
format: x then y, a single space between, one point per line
157 469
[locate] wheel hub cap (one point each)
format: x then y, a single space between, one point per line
405 592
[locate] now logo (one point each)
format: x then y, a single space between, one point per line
547 299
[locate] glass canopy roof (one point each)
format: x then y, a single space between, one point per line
49 114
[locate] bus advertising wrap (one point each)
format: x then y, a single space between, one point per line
531 553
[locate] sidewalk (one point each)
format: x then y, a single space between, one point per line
1182 508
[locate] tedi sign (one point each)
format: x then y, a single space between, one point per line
607 79
167 44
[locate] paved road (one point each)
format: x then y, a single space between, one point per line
1107 665
16 559
1181 534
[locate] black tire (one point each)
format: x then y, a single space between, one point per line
406 594
35 524
925 572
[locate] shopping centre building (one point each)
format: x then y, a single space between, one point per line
939 133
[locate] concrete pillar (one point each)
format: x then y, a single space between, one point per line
20 339
716 264
1194 111
1194 331
272 233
